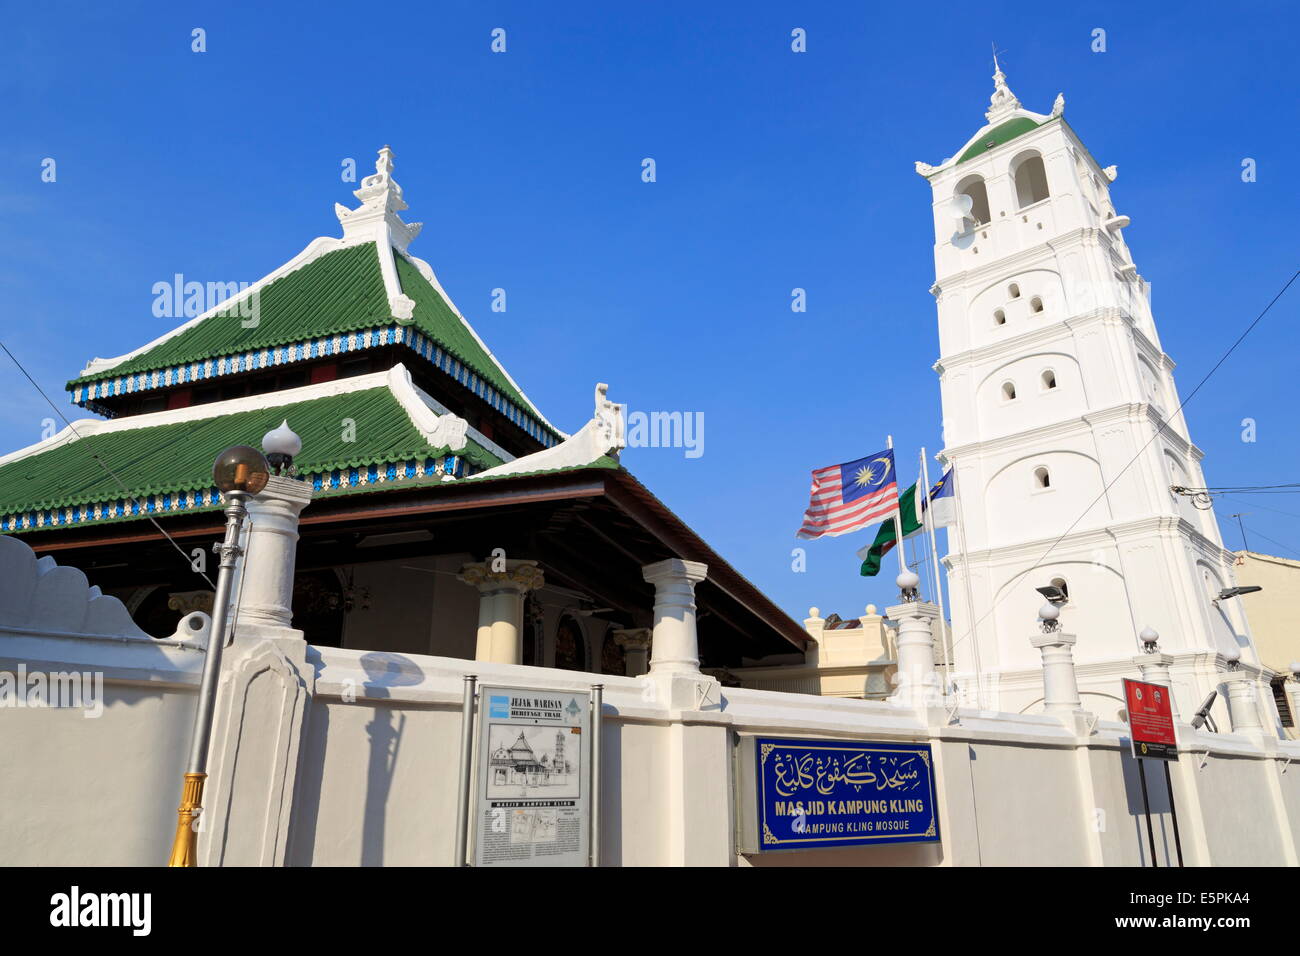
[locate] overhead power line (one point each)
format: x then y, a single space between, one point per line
1104 491
102 464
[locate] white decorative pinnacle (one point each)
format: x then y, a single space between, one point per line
281 440
381 201
1003 102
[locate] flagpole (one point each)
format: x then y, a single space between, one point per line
898 517
927 511
970 593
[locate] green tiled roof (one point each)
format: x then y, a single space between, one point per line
434 317
342 291
176 457
998 135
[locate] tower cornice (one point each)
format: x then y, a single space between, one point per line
1077 237
1136 529
1134 413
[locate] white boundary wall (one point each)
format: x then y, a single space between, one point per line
329 756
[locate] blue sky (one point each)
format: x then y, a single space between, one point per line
775 170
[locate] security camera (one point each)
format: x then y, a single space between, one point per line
1053 594
1236 592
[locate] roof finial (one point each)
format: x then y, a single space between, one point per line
381 199
1003 101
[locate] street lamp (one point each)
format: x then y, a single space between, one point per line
239 473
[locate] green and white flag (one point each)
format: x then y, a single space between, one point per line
887 536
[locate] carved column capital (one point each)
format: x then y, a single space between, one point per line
520 576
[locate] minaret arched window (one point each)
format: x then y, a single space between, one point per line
999 317
1030 176
1049 379
1063 585
1013 290
1035 305
1008 391
973 186
1042 478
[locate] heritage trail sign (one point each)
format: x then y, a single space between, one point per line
533 775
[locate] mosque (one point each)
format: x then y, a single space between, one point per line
436 529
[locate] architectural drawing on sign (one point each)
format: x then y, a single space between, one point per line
535 758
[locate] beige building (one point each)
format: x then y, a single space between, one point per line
1274 623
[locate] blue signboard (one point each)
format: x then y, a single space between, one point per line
825 793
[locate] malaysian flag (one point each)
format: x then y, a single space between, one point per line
851 496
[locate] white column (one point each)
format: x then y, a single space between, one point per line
265 588
501 606
916 673
1154 668
675 647
1242 708
1060 684
635 642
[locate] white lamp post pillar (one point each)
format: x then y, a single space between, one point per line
917 677
270 558
1153 665
501 607
1060 683
1242 707
675 648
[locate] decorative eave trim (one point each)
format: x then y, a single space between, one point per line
436 425
89 394
181 502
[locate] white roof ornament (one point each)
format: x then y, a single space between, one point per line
1003 102
381 201
1058 107
1112 172
613 420
604 435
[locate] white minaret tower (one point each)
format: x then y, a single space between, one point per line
1053 381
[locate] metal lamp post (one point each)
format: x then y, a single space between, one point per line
239 473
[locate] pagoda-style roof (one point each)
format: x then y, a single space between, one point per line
361 292
1007 120
357 433
421 457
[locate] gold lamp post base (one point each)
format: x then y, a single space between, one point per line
185 847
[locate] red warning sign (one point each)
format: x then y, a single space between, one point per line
1151 720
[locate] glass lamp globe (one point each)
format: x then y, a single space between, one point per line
240 468
281 445
1049 612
